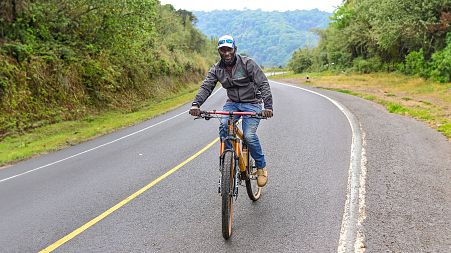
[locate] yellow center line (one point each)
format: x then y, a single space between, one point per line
123 202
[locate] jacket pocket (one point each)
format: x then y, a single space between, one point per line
247 93
243 81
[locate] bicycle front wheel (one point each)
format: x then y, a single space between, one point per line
227 185
253 190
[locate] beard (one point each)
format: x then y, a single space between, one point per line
230 61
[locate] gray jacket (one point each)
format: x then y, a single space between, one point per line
247 84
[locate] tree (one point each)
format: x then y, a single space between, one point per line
372 34
301 61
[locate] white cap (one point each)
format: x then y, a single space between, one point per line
226 41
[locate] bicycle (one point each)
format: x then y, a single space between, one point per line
229 160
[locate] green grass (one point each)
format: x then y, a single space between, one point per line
345 91
445 129
418 113
369 97
406 95
60 135
291 74
392 107
395 108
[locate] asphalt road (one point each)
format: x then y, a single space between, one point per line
308 148
408 184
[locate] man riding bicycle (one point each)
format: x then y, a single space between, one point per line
247 87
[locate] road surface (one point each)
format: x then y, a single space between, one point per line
311 204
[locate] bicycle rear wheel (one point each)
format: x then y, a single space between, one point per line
227 185
253 190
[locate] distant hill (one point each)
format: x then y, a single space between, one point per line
268 37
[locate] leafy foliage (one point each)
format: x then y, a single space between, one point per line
268 37
440 65
414 63
373 35
366 66
303 60
62 59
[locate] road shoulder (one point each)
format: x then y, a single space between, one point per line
408 195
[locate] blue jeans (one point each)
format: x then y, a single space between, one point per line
249 129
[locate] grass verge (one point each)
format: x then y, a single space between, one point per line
421 99
63 134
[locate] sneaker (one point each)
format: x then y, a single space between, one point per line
262 177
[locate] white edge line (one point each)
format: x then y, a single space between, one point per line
97 147
354 210
359 245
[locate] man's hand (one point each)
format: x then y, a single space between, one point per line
267 113
194 111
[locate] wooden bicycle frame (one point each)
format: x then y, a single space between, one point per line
231 177
238 137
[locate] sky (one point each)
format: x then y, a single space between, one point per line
265 5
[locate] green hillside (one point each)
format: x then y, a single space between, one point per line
268 37
65 60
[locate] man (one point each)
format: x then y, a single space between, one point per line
247 87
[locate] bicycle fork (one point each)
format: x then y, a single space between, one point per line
235 178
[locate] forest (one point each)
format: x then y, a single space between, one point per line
268 37
64 59
410 37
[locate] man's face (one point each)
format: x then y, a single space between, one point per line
226 54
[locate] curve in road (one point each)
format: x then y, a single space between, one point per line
307 148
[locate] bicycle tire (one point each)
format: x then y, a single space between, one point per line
253 190
227 185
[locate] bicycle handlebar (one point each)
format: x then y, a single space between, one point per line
208 114
230 113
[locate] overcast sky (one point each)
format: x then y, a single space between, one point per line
265 5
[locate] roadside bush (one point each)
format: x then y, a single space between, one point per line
415 64
339 59
366 66
438 68
301 60
440 64
19 51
